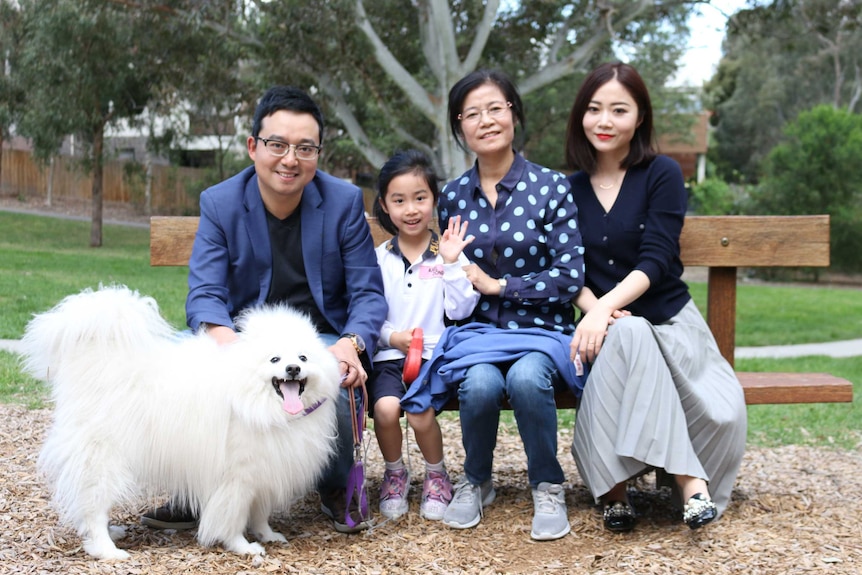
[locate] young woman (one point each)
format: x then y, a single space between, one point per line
423 279
659 394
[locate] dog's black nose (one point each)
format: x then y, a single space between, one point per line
293 371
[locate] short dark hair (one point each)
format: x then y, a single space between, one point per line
285 98
405 162
470 82
580 154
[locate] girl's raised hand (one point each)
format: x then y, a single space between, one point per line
454 240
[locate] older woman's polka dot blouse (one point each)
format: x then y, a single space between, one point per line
530 238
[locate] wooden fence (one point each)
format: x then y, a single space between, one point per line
174 191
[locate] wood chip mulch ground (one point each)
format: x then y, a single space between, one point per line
795 510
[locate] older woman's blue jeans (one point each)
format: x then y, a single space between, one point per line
529 383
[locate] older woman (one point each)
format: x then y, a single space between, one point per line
528 267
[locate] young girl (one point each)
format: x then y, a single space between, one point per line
423 277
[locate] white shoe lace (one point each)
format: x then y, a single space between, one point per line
546 502
466 494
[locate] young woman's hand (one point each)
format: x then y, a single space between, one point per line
592 330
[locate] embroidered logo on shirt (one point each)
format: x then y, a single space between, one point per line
430 272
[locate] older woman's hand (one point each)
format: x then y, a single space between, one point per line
483 283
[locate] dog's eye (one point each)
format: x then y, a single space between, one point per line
275 359
303 358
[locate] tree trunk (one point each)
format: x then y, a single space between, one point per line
445 62
49 194
148 187
96 225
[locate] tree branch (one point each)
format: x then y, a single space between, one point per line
179 13
857 90
351 124
483 32
603 30
408 84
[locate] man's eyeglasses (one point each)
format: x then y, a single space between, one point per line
495 110
280 149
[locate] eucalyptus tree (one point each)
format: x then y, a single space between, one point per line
11 92
384 68
86 66
817 169
780 59
209 85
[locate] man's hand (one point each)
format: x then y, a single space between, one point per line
221 333
352 372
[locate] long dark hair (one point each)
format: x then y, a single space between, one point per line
406 162
470 82
580 154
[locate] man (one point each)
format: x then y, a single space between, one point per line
283 231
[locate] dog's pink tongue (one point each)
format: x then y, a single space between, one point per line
290 392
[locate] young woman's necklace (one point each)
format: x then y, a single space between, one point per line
613 184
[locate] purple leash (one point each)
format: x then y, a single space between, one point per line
356 487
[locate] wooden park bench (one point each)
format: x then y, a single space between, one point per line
720 243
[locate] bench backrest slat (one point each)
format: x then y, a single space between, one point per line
720 243
709 241
755 241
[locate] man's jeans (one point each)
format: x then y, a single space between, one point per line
335 474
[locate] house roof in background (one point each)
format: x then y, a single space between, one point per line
696 143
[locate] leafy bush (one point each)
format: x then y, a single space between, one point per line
712 197
846 239
817 169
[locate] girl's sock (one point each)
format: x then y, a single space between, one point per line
394 465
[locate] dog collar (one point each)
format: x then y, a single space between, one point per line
308 410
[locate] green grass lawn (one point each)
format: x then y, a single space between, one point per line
785 315
44 259
837 424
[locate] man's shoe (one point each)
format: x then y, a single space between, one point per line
465 510
169 516
393 493
550 518
333 504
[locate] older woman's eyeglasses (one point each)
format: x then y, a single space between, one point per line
495 110
280 149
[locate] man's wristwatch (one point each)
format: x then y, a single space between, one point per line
356 340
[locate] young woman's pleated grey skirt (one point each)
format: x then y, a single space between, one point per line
661 397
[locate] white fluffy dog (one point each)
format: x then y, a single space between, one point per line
234 431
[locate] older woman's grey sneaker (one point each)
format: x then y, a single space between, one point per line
550 517
465 509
